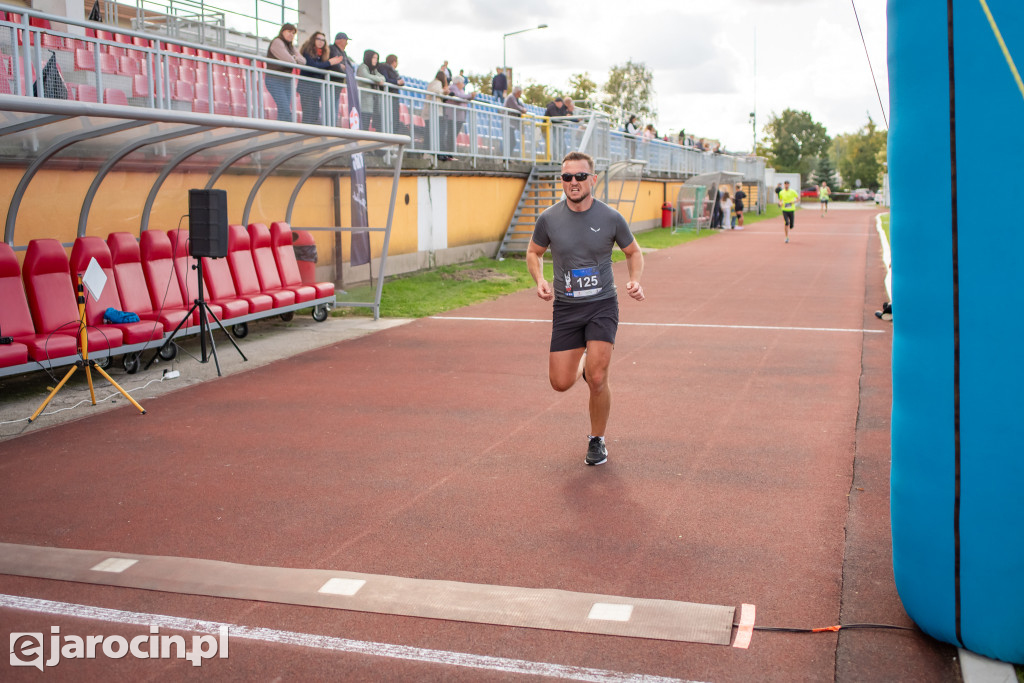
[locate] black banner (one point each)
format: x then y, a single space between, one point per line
359 251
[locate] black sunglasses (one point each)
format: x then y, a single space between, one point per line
566 177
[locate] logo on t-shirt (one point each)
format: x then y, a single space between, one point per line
596 229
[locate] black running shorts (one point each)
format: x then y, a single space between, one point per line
574 324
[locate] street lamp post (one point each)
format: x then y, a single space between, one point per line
504 59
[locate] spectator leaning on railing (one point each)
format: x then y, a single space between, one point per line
389 69
518 109
556 108
457 90
282 48
318 60
439 89
338 50
370 101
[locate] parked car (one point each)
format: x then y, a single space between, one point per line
809 191
862 194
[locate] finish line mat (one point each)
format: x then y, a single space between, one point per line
555 610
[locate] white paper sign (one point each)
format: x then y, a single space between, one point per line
94 279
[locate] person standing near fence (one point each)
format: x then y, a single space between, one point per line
581 232
787 202
499 84
282 48
726 210
318 60
739 196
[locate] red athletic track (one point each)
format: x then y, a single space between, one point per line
746 466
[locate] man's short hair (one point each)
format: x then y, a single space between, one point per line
580 156
786 182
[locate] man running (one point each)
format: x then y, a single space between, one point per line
787 202
581 232
824 194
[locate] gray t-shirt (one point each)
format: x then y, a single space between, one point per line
581 249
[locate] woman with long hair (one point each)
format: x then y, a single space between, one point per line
282 48
318 60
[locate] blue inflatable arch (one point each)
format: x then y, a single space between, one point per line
955 146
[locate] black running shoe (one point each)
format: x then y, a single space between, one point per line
597 453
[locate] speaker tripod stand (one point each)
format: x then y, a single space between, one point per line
85 362
203 308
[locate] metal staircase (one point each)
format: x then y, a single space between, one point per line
543 189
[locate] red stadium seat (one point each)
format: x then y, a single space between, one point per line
87 93
52 296
221 100
162 277
287 266
85 60
243 272
86 249
107 62
182 91
129 65
126 259
266 265
245 265
52 42
269 106
188 278
239 105
115 96
16 320
140 86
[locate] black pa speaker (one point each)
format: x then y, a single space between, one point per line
208 223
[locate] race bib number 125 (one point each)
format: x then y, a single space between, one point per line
582 282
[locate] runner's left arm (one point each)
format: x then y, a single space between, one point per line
635 265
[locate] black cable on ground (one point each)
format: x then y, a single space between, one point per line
829 629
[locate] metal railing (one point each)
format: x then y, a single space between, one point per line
137 69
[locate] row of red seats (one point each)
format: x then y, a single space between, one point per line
152 277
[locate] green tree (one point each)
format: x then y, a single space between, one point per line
481 82
630 90
538 94
860 156
794 142
581 87
825 172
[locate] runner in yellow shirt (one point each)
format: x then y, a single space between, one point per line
824 194
787 202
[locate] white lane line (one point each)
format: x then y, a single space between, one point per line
266 635
724 327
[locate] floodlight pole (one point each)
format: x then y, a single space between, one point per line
504 57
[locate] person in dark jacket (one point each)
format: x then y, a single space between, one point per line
556 108
318 61
499 84
389 69
338 50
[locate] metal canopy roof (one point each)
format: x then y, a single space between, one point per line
40 133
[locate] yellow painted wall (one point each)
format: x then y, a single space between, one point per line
480 208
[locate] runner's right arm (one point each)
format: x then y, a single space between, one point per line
535 264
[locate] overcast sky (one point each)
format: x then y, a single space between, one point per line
809 54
